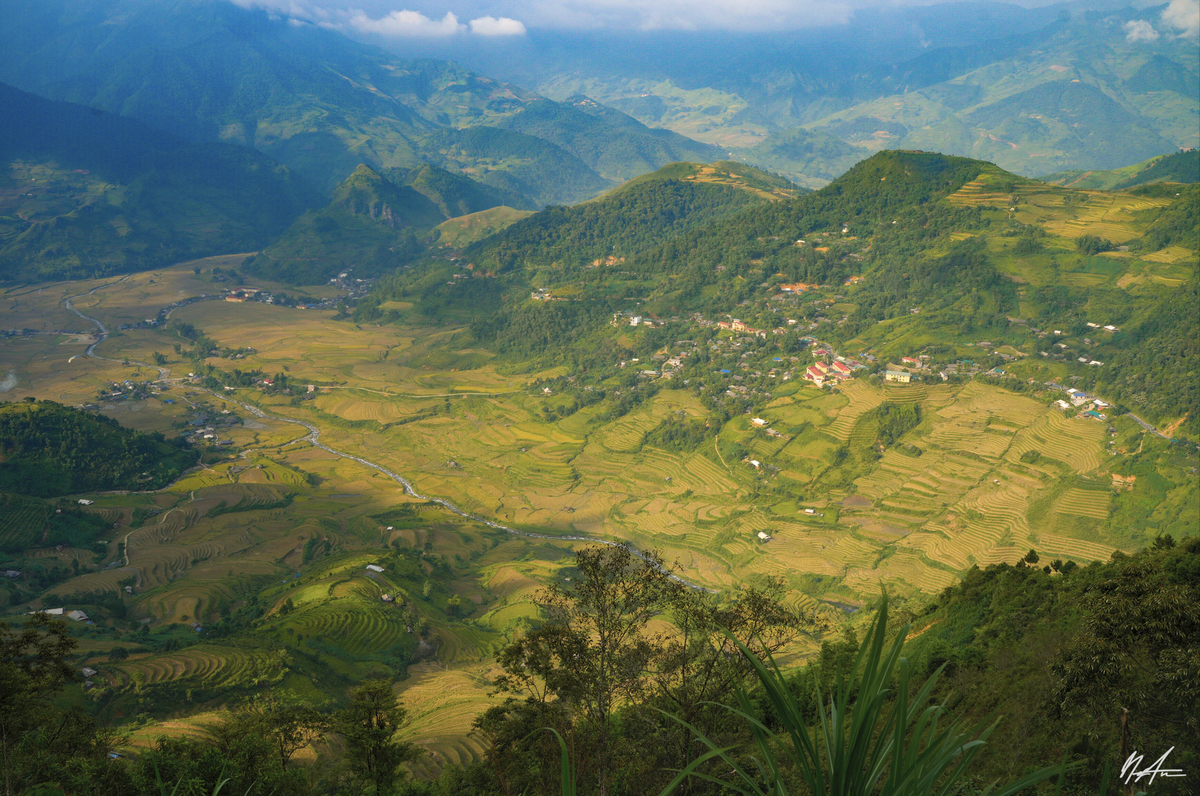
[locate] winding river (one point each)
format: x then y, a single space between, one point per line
314 438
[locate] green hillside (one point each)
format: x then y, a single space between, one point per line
465 230
50 450
514 162
86 193
371 226
1181 166
728 173
944 251
455 194
632 218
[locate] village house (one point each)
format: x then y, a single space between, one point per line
898 376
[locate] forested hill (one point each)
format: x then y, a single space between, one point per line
907 253
370 226
47 449
1182 166
91 193
873 193
630 219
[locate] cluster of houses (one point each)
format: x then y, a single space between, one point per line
204 429
543 294
242 294
77 615
1092 407
126 391
820 372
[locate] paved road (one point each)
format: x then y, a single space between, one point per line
1146 425
314 438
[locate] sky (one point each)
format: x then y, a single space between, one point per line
399 19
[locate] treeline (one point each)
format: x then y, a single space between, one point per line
1059 650
1178 224
961 285
50 450
527 329
679 435
53 751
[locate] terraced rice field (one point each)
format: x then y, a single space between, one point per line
22 520
442 702
350 622
863 398
1092 503
206 663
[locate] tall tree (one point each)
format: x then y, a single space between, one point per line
369 726
595 649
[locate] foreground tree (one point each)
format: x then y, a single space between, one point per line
594 650
622 643
369 726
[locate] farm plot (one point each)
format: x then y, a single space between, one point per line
904 569
863 398
626 433
1076 441
22 521
1092 503
209 664
442 703
350 622
183 601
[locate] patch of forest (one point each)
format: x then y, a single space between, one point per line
50 449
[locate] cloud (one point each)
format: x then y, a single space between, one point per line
1184 16
1139 30
740 15
491 26
406 23
382 21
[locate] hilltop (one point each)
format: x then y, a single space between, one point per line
370 225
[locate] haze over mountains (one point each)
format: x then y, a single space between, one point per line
1034 90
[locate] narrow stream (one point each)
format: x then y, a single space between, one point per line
314 438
